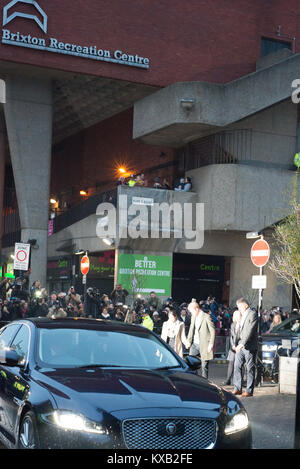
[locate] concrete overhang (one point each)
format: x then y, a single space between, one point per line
79 101
161 119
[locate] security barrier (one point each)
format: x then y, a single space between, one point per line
221 348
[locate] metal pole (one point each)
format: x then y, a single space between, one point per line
260 302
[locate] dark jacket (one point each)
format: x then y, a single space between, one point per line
248 331
91 306
233 342
118 296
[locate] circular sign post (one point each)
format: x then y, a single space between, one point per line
260 253
85 265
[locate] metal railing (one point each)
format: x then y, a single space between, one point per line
227 147
222 345
83 210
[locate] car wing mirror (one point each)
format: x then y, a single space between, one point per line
193 362
9 357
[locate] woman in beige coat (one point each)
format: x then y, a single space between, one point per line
173 332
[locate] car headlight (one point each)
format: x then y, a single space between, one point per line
71 421
237 423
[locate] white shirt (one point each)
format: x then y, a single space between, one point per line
197 326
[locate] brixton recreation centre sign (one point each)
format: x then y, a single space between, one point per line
143 274
56 45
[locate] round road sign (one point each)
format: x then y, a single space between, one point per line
260 253
85 265
21 255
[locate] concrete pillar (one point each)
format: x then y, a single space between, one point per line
28 115
2 155
2 177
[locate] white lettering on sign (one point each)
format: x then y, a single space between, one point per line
85 51
260 253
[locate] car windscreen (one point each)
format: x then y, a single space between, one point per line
288 326
88 347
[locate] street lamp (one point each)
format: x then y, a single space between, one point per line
108 241
187 103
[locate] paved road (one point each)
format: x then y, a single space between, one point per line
272 415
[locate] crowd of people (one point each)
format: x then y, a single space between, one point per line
184 184
189 328
17 300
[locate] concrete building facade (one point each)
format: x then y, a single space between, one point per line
165 89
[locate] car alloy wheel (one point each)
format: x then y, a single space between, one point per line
28 436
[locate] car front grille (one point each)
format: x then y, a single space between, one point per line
169 433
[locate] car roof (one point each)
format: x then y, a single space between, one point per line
80 323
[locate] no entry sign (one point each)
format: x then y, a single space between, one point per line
85 265
260 253
21 260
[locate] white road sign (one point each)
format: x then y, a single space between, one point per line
259 282
21 260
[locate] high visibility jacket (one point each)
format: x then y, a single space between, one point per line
131 182
147 322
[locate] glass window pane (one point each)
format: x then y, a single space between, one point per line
20 344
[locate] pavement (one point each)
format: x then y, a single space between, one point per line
271 414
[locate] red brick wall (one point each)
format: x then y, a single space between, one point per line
185 40
92 157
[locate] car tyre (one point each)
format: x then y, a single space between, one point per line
28 433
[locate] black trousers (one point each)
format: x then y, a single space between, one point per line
247 357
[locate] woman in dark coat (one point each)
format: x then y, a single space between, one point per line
236 318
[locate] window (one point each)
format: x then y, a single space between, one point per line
20 344
269 46
71 347
7 335
290 326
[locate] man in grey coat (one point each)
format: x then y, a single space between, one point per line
201 336
246 350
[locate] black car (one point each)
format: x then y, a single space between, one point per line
85 383
283 339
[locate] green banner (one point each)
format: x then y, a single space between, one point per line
141 274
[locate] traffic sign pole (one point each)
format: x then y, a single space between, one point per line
260 254
260 302
84 267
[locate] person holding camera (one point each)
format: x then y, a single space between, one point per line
38 306
118 295
72 302
91 304
35 288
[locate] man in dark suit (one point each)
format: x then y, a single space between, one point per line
246 350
